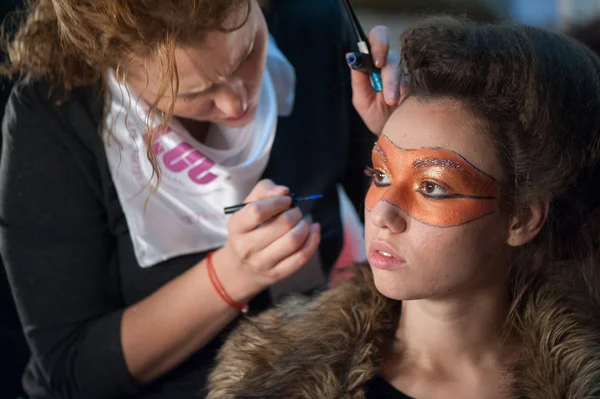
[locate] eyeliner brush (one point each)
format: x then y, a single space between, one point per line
234 208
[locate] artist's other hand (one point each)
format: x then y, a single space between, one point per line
373 107
267 242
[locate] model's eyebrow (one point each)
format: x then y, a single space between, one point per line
195 93
380 151
443 162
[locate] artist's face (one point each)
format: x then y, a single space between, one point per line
433 222
219 77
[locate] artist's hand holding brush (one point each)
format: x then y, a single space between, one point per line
375 107
268 241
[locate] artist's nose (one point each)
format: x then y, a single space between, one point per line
232 99
387 215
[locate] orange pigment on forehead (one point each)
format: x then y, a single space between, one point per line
472 193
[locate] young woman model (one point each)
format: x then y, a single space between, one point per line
482 234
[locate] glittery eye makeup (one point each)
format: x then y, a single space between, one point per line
435 186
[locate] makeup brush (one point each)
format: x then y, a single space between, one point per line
234 208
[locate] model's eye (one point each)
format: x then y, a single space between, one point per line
433 190
379 178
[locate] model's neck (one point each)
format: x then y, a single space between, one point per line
467 328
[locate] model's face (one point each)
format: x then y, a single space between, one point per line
435 186
219 78
433 221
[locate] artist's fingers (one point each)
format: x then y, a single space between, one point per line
272 230
256 213
294 262
379 39
266 188
390 75
283 247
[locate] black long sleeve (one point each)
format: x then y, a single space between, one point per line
56 249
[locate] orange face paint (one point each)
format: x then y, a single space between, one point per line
435 186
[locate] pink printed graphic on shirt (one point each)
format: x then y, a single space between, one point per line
184 157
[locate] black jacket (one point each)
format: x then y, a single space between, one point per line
65 240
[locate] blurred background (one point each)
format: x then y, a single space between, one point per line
552 14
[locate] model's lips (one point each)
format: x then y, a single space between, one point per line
383 256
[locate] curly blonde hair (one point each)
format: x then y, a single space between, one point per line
73 42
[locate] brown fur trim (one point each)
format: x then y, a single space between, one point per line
331 346
327 348
560 330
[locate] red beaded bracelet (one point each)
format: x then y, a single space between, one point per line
219 287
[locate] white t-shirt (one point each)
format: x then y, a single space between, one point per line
186 214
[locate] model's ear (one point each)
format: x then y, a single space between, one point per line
527 223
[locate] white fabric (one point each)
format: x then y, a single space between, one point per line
186 215
354 250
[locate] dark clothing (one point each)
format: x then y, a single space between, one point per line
379 388
65 240
13 348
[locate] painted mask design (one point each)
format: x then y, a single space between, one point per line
435 186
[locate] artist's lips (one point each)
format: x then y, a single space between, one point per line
383 256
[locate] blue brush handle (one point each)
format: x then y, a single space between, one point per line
376 80
363 63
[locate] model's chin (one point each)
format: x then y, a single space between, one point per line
394 286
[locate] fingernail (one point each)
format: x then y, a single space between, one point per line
379 62
279 189
394 96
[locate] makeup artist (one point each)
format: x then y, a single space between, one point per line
132 126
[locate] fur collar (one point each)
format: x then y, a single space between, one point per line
330 347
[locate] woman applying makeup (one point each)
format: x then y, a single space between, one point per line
482 232
134 124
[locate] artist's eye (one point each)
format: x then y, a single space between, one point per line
433 190
379 178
